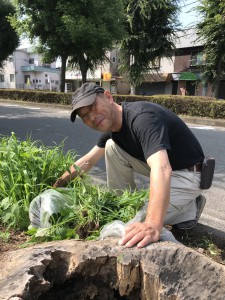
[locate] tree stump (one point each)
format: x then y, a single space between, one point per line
102 270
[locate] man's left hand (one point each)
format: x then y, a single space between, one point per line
140 233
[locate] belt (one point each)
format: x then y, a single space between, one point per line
196 168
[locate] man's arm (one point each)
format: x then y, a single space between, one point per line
84 164
142 233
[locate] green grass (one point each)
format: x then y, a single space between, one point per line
87 209
26 169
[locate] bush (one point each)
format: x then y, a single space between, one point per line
36 96
181 105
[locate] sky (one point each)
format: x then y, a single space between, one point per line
188 16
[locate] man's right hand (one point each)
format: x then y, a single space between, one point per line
59 183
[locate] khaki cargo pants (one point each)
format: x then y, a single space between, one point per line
184 189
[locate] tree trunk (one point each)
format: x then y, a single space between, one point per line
216 84
63 73
83 63
83 74
132 89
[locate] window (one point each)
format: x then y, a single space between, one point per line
155 64
31 61
46 75
2 78
52 81
46 65
12 77
57 82
46 81
198 58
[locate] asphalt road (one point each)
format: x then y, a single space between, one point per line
52 126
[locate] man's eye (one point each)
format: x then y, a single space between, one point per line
91 106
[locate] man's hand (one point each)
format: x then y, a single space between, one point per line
59 183
140 233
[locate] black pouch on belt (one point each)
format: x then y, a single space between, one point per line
208 167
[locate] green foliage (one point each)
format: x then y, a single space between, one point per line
91 207
35 96
182 105
151 26
4 236
82 30
93 33
26 169
211 30
9 39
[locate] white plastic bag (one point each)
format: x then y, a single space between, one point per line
117 228
51 201
45 205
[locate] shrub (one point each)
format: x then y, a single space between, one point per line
36 96
182 105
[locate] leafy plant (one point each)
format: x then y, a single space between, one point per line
89 208
4 236
26 169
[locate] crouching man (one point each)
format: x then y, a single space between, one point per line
151 140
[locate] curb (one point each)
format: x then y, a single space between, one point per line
203 121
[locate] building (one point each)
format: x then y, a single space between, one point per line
24 69
179 75
188 62
182 74
106 75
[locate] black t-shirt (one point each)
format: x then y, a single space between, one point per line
148 127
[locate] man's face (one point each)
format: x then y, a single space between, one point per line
98 115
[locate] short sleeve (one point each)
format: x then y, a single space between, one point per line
152 133
104 137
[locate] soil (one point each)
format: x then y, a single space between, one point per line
197 241
15 240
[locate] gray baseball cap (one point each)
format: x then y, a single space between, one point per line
84 96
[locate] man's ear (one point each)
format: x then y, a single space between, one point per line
108 96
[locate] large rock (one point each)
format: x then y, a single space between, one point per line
105 271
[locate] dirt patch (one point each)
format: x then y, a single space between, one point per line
202 243
12 239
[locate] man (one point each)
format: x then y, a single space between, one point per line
149 139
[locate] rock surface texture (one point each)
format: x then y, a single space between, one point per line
102 270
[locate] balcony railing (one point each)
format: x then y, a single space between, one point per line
38 69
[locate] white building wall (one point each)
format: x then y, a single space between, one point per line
21 58
167 65
7 70
45 79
